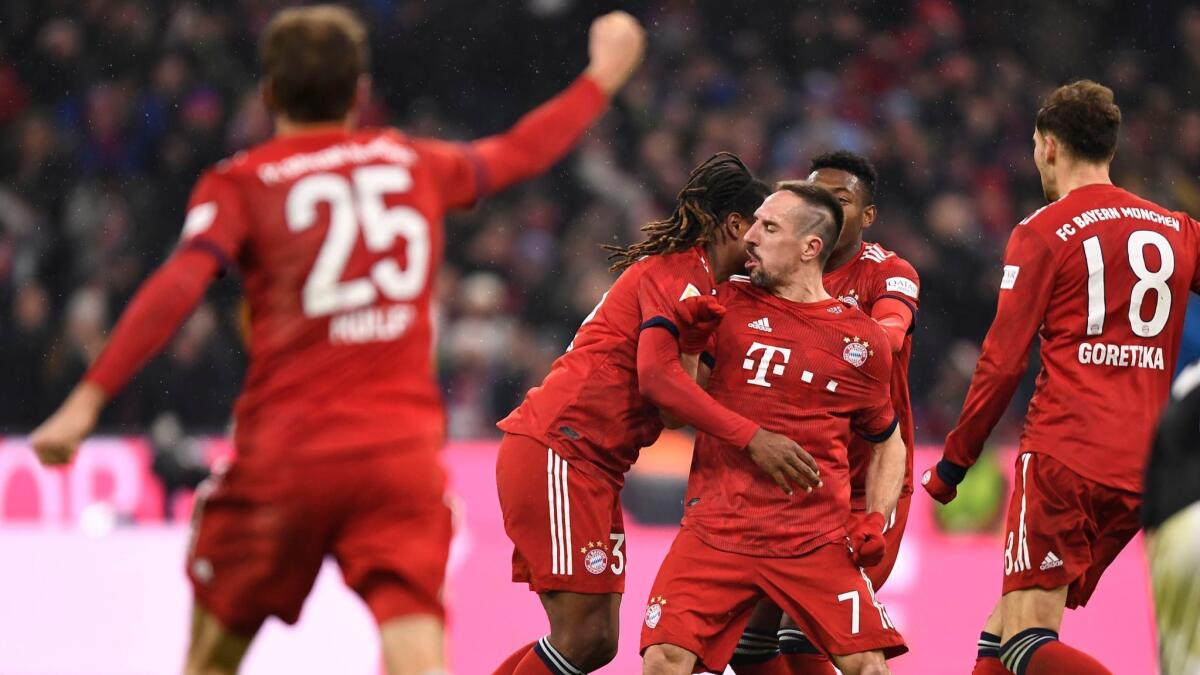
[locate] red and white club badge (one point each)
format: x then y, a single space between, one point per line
856 351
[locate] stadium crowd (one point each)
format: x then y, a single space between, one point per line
110 109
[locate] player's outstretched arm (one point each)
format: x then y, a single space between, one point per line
160 305
1024 294
616 43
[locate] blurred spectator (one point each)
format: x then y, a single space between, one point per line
110 110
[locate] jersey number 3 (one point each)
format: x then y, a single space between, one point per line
1147 281
355 205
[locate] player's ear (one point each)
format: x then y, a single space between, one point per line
869 214
734 225
1050 143
362 94
812 248
268 96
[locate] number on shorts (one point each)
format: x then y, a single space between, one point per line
618 539
356 206
852 596
1147 281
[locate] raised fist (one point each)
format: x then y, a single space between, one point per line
616 43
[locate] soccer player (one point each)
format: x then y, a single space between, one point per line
567 447
1171 516
885 286
1103 277
338 235
787 355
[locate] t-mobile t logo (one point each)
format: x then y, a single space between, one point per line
764 362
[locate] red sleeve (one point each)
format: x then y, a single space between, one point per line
662 286
898 280
663 382
1195 227
876 419
1025 290
216 221
468 172
895 317
160 305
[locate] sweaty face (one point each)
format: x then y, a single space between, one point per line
772 247
851 194
1041 150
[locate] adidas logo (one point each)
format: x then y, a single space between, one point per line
1051 561
762 324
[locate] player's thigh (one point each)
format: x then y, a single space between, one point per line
212 648
700 601
394 539
256 547
412 645
665 659
832 601
563 517
1049 531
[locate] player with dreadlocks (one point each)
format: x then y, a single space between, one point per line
567 447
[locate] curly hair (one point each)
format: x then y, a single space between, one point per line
721 185
852 163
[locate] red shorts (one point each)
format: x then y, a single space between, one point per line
703 597
261 531
893 533
564 519
1063 529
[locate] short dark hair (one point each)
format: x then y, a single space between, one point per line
312 58
852 163
1082 116
828 229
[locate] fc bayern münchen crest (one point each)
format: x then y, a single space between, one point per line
851 299
654 611
856 351
595 557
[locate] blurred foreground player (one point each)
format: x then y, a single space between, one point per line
567 447
788 355
1171 516
338 236
1103 277
885 286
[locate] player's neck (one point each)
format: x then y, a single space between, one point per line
721 263
805 287
286 127
843 255
1081 174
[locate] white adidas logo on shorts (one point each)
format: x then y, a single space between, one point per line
1051 561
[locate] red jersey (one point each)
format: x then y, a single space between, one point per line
874 274
814 372
589 407
1102 276
338 237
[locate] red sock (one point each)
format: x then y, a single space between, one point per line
989 665
531 664
1054 657
806 664
510 664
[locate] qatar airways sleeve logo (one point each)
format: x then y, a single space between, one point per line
766 361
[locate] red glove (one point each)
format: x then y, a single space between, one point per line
699 316
867 546
941 481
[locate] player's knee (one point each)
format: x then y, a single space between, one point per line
667 660
589 644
